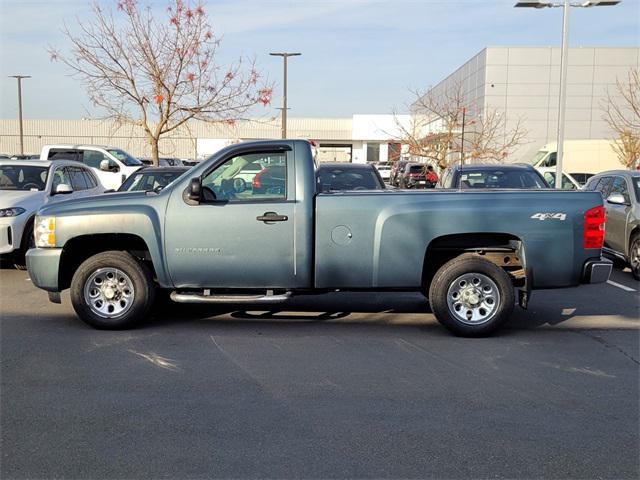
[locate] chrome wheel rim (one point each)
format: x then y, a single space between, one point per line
473 298
109 292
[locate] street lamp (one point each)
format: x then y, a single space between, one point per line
285 56
562 100
19 78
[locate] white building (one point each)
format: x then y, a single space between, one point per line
523 82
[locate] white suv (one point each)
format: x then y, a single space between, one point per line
111 165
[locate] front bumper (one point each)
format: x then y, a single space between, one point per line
596 270
43 265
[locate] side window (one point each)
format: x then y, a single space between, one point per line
60 176
551 160
251 177
92 158
604 185
620 186
62 154
77 179
89 179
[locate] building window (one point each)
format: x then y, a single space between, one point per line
373 152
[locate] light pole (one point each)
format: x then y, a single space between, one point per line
19 78
285 56
562 98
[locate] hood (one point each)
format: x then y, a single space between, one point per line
98 202
26 199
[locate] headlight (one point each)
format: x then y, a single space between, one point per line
45 231
11 212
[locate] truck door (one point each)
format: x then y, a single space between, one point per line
241 233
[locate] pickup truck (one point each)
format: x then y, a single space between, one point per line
213 237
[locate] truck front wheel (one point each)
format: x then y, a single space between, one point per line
471 296
112 290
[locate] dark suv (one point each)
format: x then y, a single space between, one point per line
620 191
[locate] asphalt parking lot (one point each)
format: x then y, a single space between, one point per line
337 386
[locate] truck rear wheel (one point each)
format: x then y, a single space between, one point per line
112 290
471 296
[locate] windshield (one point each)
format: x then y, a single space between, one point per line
23 177
148 181
501 179
538 156
124 157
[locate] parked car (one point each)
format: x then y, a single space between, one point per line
471 253
397 169
147 179
414 175
520 176
336 176
111 165
621 191
384 170
27 185
569 181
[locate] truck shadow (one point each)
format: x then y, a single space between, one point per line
398 309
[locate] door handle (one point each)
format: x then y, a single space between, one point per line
269 217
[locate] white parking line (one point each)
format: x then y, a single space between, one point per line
619 285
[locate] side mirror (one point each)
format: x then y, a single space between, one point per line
616 199
62 188
194 192
109 166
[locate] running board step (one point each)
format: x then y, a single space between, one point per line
193 297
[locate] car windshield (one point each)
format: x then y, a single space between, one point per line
537 157
23 177
124 157
148 181
501 179
331 179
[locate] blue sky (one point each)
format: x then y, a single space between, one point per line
359 56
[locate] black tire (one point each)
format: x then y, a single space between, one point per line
142 296
634 262
19 260
453 270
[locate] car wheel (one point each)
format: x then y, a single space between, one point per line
634 256
471 296
19 260
112 290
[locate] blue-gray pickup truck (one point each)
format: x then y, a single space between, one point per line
250 226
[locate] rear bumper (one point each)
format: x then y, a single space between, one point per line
596 270
43 265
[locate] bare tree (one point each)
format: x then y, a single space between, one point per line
622 114
159 73
439 120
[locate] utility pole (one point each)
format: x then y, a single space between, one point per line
19 78
566 6
285 56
